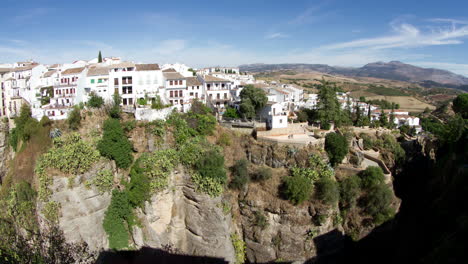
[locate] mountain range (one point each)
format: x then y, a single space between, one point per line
393 70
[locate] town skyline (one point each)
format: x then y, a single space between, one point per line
323 32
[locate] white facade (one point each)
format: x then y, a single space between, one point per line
275 115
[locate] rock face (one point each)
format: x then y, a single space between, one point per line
82 209
4 153
191 222
287 234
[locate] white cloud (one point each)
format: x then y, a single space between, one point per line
170 46
407 36
276 35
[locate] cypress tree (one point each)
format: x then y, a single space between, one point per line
99 57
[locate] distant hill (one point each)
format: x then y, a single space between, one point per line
393 70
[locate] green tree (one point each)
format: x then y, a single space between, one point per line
74 118
337 147
383 120
377 203
211 165
118 220
231 112
297 188
371 177
460 105
349 191
114 109
329 109
115 144
327 190
240 174
95 101
99 57
252 100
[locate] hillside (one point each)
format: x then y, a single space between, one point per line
393 70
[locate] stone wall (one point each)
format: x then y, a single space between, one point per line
146 114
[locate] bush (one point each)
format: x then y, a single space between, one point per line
260 220
377 203
139 190
211 165
104 181
224 139
69 154
212 187
297 188
74 118
231 112
142 101
203 124
367 141
95 101
128 126
325 126
349 191
327 190
118 220
460 105
262 174
114 109
337 147
240 174
157 166
45 121
239 248
371 176
115 145
25 127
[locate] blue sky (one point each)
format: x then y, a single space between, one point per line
207 33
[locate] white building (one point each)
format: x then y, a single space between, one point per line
176 89
195 89
97 82
218 91
275 115
121 82
149 81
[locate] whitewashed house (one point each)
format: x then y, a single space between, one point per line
176 89
97 82
121 78
275 115
218 91
195 89
149 81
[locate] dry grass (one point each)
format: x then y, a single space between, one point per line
406 102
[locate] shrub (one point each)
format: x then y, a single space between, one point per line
337 147
262 174
325 126
211 165
157 103
371 176
391 144
74 118
239 248
45 121
367 141
69 154
377 203
203 124
240 174
260 220
327 190
115 145
95 101
139 190
51 211
157 166
118 220
460 105
128 126
189 152
182 132
224 139
104 181
349 191
231 112
297 188
142 101
114 109
212 187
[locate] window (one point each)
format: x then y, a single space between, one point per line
208 86
222 85
196 95
198 87
99 81
181 101
130 101
127 90
191 94
180 93
171 94
281 121
124 101
127 80
92 80
218 96
180 82
116 81
171 102
225 95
